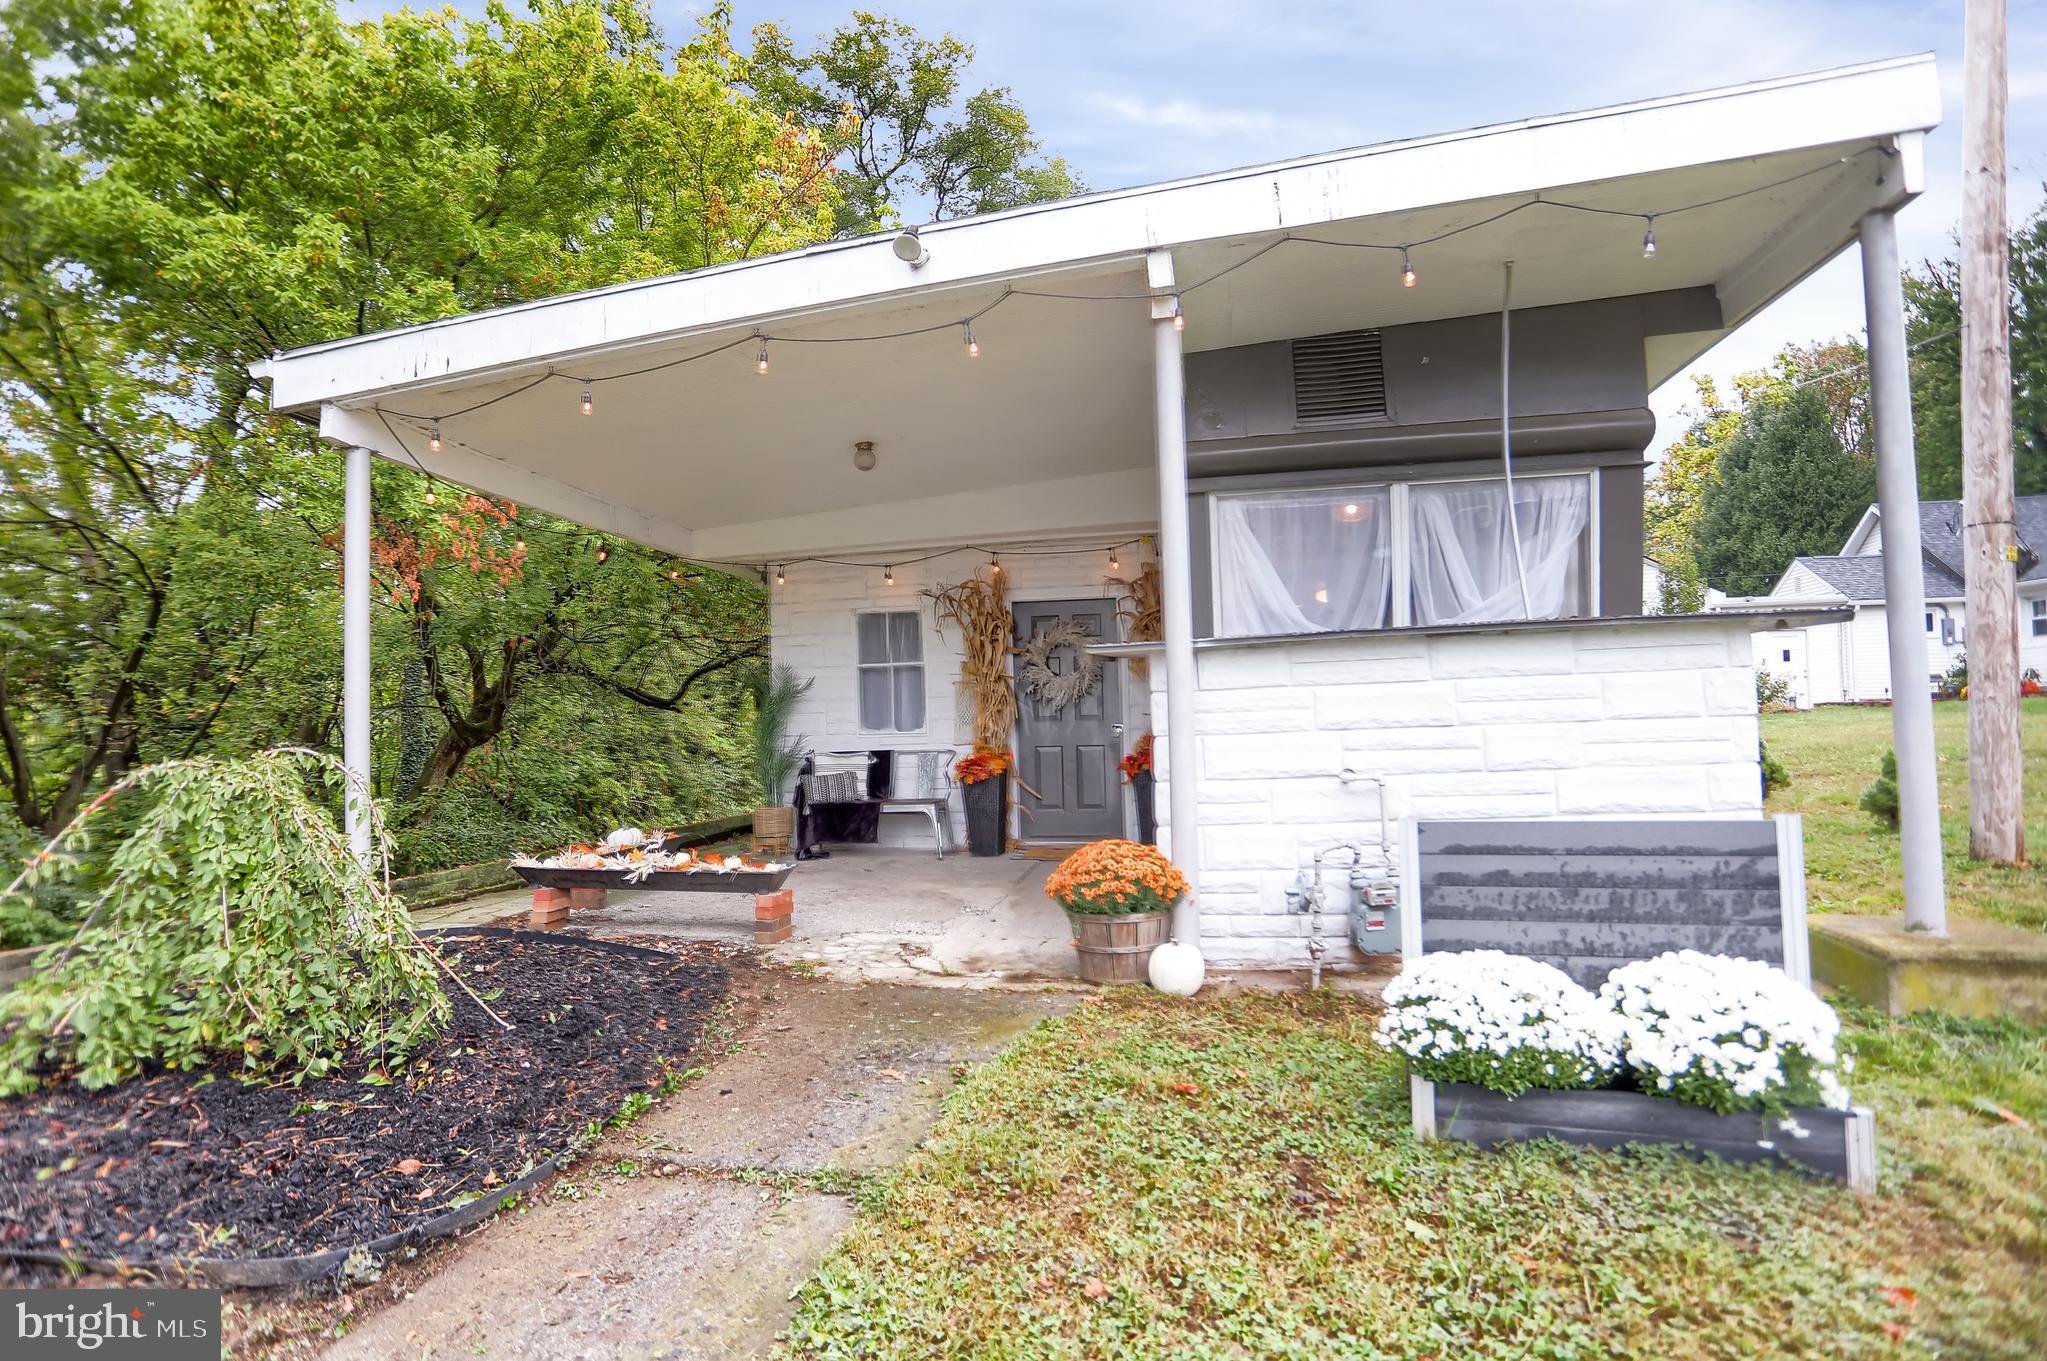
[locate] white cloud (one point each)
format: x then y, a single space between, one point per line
1185 116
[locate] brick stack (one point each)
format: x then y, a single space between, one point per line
771 916
550 909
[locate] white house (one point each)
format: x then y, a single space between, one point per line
1300 389
1848 662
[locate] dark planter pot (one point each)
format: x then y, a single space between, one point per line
1145 789
1839 1144
987 805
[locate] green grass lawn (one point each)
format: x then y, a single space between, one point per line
1851 862
1234 1177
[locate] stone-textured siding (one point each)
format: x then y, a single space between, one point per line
1624 721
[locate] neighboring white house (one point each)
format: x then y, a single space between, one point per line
1849 662
1283 384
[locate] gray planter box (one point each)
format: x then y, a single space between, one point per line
1838 1144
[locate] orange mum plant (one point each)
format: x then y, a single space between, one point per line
984 764
1105 878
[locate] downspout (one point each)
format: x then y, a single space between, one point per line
1507 435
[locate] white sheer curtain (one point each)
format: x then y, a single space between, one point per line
1462 559
1303 562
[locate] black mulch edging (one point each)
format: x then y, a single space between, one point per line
268 1185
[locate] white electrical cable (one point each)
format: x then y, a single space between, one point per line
1507 437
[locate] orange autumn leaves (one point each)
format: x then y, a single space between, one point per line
1111 877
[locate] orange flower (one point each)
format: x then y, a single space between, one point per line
984 764
1111 877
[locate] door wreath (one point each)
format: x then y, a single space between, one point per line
1054 688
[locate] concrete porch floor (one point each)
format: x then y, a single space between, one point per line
874 913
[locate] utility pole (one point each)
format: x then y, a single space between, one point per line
1989 538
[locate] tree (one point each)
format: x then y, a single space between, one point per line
1675 499
1785 486
902 128
189 185
1933 328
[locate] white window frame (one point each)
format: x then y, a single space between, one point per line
2040 617
1402 611
891 666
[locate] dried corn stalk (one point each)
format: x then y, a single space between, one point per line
977 605
1147 614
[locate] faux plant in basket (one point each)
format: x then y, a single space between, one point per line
1119 895
984 789
776 754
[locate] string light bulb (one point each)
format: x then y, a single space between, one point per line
760 364
1179 317
973 345
429 495
781 577
888 576
1406 269
1649 236
994 565
519 546
589 406
603 554
674 575
433 439
1115 565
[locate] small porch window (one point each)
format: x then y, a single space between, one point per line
2040 618
891 661
1378 556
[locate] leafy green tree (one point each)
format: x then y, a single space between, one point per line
189 185
1674 498
1784 486
1933 325
903 127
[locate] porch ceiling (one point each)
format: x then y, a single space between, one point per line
1051 427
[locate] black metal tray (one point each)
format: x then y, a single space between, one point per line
660 881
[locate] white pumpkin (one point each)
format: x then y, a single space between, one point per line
1177 968
625 838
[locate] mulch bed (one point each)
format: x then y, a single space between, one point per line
173 1165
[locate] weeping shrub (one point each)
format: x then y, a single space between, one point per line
231 921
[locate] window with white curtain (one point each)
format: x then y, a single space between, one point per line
891 660
1368 557
1463 564
1303 562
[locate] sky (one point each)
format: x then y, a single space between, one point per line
1136 91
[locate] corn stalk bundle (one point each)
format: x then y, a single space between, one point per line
1147 614
980 609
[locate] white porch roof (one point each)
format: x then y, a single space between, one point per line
1050 430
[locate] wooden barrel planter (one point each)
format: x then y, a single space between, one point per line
1117 949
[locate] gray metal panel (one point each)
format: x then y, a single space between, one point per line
1588 896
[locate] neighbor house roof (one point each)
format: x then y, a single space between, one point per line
1861 577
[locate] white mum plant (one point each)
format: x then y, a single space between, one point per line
1499 1021
1728 1034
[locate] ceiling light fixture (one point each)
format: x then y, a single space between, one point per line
910 249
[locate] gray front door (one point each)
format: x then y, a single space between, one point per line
1066 757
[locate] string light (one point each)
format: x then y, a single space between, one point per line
603 554
519 546
888 576
781 577
1115 565
429 495
1408 279
994 565
674 575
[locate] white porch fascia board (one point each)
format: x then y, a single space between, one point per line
470 468
1871 102
1124 501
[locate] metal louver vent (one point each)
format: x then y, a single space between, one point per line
1339 377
